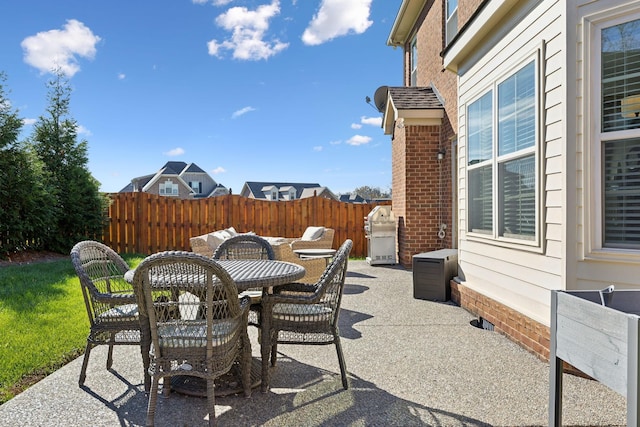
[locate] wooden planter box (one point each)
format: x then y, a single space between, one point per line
601 341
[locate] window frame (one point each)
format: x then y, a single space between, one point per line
162 188
197 188
592 35
451 19
496 236
413 61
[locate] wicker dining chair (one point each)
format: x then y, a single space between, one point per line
109 299
247 246
300 313
197 325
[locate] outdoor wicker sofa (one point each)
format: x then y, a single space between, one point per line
313 237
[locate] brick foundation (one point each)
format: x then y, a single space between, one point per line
526 332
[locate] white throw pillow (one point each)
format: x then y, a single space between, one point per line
224 234
232 231
214 239
312 233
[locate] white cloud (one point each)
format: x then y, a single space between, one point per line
218 170
121 76
83 130
60 49
337 18
317 148
248 30
174 152
356 126
242 112
373 121
337 142
359 140
29 122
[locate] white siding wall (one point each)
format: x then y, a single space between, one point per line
521 277
589 266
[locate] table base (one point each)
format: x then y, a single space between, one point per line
227 384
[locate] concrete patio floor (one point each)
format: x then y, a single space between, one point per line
411 363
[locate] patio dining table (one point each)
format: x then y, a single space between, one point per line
246 274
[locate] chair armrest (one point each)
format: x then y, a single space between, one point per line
324 242
295 297
294 287
117 299
314 267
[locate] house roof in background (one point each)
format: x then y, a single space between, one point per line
352 198
169 168
257 188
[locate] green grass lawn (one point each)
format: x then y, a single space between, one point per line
43 321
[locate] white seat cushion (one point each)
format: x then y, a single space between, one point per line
120 313
301 312
193 334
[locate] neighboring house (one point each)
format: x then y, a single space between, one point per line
177 179
356 198
284 191
543 117
352 198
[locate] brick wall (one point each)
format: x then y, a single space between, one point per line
521 329
421 190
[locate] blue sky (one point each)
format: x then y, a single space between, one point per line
249 90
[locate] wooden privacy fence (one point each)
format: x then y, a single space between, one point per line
146 223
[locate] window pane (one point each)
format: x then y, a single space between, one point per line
452 5
517 185
621 77
480 200
414 62
516 111
480 130
621 174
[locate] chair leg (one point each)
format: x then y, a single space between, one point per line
110 355
85 362
246 365
145 346
343 365
211 402
265 347
153 400
274 350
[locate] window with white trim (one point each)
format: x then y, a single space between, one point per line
501 158
168 188
196 186
619 56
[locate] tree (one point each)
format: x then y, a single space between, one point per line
370 193
79 208
23 195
